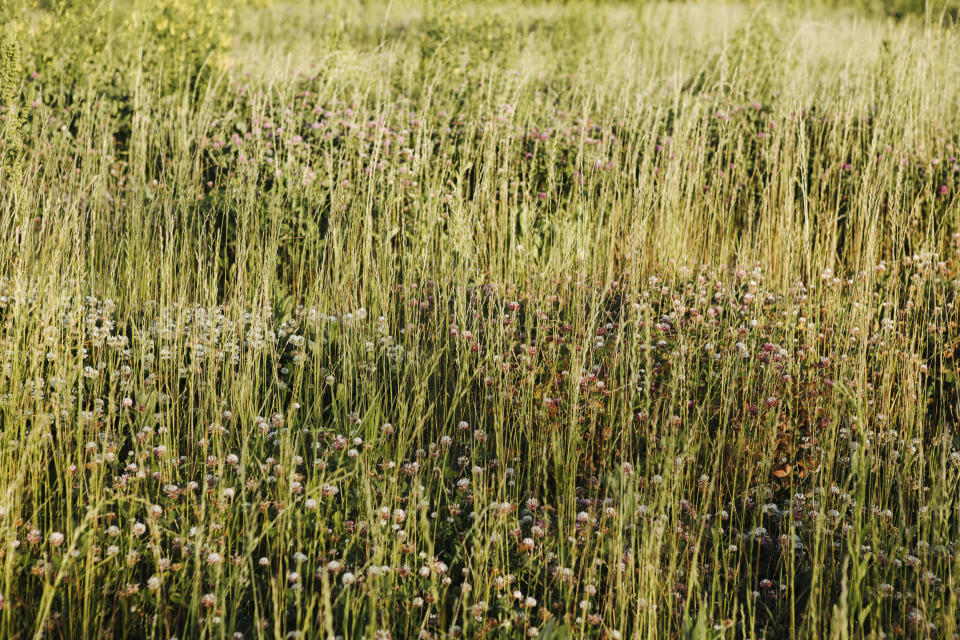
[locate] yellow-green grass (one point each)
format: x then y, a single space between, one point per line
480 320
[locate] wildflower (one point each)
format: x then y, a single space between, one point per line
328 490
478 609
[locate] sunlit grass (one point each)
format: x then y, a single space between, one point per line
603 321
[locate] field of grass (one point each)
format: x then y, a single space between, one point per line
465 319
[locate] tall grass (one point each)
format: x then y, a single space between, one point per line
575 320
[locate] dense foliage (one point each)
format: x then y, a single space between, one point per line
475 319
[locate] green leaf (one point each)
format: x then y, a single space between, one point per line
553 631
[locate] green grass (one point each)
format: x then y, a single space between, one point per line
478 320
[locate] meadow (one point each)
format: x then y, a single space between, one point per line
466 319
